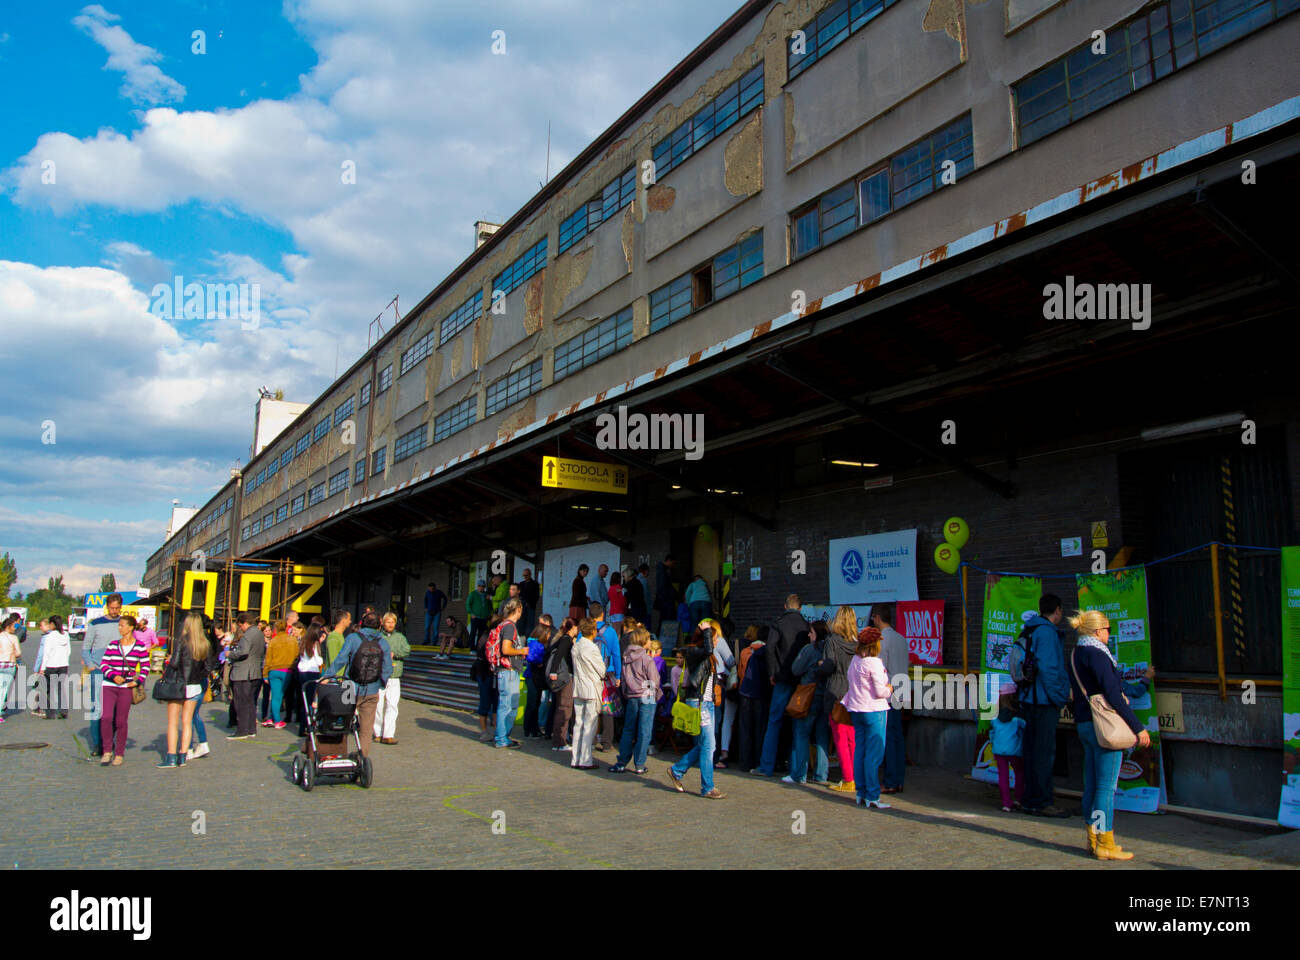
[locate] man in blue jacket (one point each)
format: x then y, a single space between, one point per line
367 693
1041 707
612 651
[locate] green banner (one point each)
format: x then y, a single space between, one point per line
1122 596
1289 810
1009 602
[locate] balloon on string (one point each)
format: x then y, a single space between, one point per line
956 532
947 557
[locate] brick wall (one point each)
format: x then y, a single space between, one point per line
1059 496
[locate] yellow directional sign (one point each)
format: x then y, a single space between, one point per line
584 475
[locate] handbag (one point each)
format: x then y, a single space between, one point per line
1108 726
840 715
685 717
801 701
137 693
170 686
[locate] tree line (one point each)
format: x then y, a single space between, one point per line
48 600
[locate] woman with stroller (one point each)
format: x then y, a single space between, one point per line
191 661
311 661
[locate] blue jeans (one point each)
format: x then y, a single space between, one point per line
431 623
507 704
276 679
200 734
813 731
868 750
638 722
895 750
1100 776
95 707
544 707
781 694
702 753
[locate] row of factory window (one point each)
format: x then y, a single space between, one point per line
1163 38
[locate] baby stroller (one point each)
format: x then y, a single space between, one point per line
331 716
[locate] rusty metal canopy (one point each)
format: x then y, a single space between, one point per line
970 335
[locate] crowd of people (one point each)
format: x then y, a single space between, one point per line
787 699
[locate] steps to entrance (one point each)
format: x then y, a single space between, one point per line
444 683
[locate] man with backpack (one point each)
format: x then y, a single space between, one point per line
783 645
1038 667
506 652
368 661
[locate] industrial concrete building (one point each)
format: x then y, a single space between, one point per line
829 231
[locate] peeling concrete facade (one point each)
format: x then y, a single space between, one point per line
743 159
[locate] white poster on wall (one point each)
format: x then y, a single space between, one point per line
878 568
561 567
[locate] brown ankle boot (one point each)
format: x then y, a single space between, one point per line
1107 848
1092 838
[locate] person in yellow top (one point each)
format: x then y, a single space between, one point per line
281 652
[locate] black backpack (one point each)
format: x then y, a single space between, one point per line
1028 663
555 664
367 662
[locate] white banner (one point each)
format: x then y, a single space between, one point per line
561 566
879 568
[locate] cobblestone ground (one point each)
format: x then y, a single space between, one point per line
438 793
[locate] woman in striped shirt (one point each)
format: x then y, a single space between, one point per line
125 666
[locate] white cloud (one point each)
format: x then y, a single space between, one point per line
143 82
442 133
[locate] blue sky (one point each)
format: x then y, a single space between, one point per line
224 166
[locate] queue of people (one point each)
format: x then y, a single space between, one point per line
791 697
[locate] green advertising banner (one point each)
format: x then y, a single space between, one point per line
1289 811
1009 602
1122 596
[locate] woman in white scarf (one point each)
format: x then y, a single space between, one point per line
1094 670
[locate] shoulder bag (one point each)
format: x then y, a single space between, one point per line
1108 726
685 717
170 686
801 701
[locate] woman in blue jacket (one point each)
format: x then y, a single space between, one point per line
1094 670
